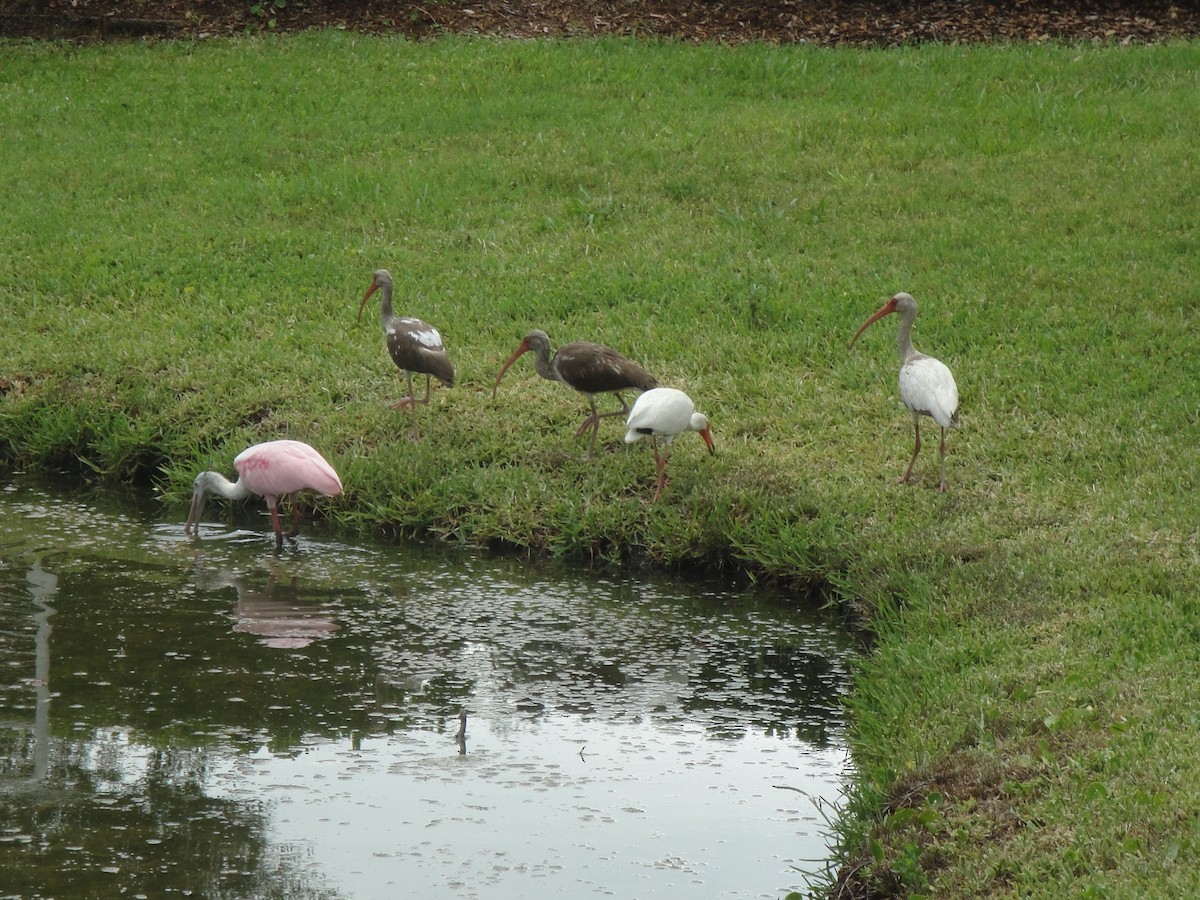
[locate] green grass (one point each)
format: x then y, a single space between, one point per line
189 228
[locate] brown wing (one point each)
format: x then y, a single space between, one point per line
417 347
594 369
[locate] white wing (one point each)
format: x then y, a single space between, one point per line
659 411
928 388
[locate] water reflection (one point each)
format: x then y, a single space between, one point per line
342 722
271 608
41 586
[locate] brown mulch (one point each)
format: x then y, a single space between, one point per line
826 23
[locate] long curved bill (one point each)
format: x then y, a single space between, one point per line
889 307
193 519
707 435
512 359
366 296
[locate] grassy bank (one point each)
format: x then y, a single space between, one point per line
189 228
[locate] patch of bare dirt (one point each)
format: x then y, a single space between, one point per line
826 23
969 797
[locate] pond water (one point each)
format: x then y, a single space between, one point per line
210 718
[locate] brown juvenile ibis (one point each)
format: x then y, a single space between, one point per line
926 386
415 346
665 412
588 368
271 470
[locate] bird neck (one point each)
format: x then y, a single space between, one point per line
216 483
904 338
542 364
385 303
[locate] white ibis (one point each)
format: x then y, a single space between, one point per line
271 470
926 386
415 346
665 412
588 368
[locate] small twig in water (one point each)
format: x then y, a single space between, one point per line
461 737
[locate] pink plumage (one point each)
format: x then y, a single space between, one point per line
272 469
284 467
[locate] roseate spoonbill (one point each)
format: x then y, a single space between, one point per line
665 412
926 386
415 346
271 469
588 368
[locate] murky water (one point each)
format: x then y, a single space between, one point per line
210 719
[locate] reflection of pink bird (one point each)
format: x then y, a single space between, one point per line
665 412
279 618
271 469
926 386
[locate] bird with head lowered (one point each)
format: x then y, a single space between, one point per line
270 470
588 368
665 413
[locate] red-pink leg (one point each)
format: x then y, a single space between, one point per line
623 411
411 399
660 460
410 402
272 505
589 423
592 422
